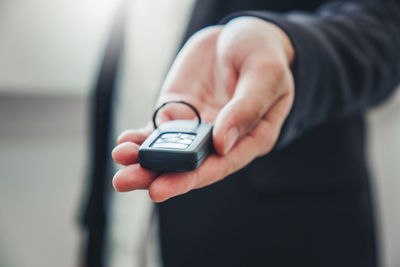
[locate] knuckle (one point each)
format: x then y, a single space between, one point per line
256 109
249 108
272 63
267 146
276 66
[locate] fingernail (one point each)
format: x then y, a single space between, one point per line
230 139
115 178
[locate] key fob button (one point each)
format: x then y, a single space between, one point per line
169 135
185 141
171 140
188 136
170 145
176 146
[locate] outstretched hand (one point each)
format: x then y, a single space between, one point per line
238 76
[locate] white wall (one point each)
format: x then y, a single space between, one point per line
52 46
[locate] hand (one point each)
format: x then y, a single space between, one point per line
238 76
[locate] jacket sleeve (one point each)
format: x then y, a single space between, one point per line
347 59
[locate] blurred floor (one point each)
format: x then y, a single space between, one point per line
42 162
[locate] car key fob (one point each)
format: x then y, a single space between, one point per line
177 145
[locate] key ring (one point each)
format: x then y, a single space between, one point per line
174 101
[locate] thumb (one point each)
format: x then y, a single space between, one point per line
255 93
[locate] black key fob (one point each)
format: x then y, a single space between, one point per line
176 146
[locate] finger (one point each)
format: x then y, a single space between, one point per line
277 114
255 92
126 153
133 177
135 136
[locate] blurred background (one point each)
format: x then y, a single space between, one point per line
50 52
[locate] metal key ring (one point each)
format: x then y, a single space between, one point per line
174 101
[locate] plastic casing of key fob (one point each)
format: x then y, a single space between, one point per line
177 160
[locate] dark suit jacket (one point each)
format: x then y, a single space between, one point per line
308 202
